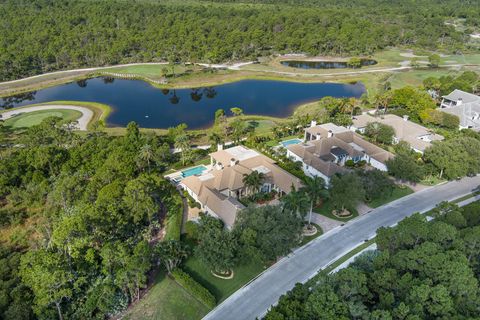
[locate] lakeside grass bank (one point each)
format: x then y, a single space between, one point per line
190 76
100 111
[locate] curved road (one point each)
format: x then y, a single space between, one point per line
82 122
254 299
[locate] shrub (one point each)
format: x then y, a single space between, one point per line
349 163
194 288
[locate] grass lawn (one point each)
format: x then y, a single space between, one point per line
152 71
307 239
432 180
326 209
167 300
262 126
36 117
397 193
221 288
416 77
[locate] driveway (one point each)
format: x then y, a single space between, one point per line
255 299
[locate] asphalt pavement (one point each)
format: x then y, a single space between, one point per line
254 299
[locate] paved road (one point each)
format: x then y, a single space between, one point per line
254 299
82 122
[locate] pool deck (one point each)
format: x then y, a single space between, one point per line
177 176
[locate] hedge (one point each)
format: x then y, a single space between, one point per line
194 288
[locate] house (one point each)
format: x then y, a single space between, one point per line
219 188
465 106
418 137
327 147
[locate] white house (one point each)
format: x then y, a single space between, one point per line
327 147
465 106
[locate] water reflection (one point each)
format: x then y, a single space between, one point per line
135 100
325 64
12 101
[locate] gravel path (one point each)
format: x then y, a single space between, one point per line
82 122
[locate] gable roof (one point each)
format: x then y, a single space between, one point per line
317 153
466 97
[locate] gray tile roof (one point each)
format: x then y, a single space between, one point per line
459 94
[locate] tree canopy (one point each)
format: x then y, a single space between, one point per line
421 270
40 36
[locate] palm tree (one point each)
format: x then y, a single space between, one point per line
215 139
296 202
253 181
146 154
183 144
383 100
315 190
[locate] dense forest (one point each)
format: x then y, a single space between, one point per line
79 218
41 35
422 270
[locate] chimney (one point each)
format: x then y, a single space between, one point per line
318 136
330 134
232 162
313 123
459 101
219 147
405 117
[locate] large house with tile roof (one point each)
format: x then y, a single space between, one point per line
219 188
327 147
418 137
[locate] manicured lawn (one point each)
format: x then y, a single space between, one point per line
36 117
326 209
397 193
416 77
432 180
262 126
166 300
221 288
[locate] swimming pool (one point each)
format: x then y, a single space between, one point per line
289 142
193 171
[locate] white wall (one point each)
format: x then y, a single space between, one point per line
308 170
377 164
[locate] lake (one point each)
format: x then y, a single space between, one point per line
150 107
325 64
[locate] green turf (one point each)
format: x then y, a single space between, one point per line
152 71
326 209
416 77
397 193
29 119
167 300
221 288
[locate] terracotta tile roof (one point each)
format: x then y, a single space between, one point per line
208 187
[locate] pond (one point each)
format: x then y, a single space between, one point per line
325 64
150 107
